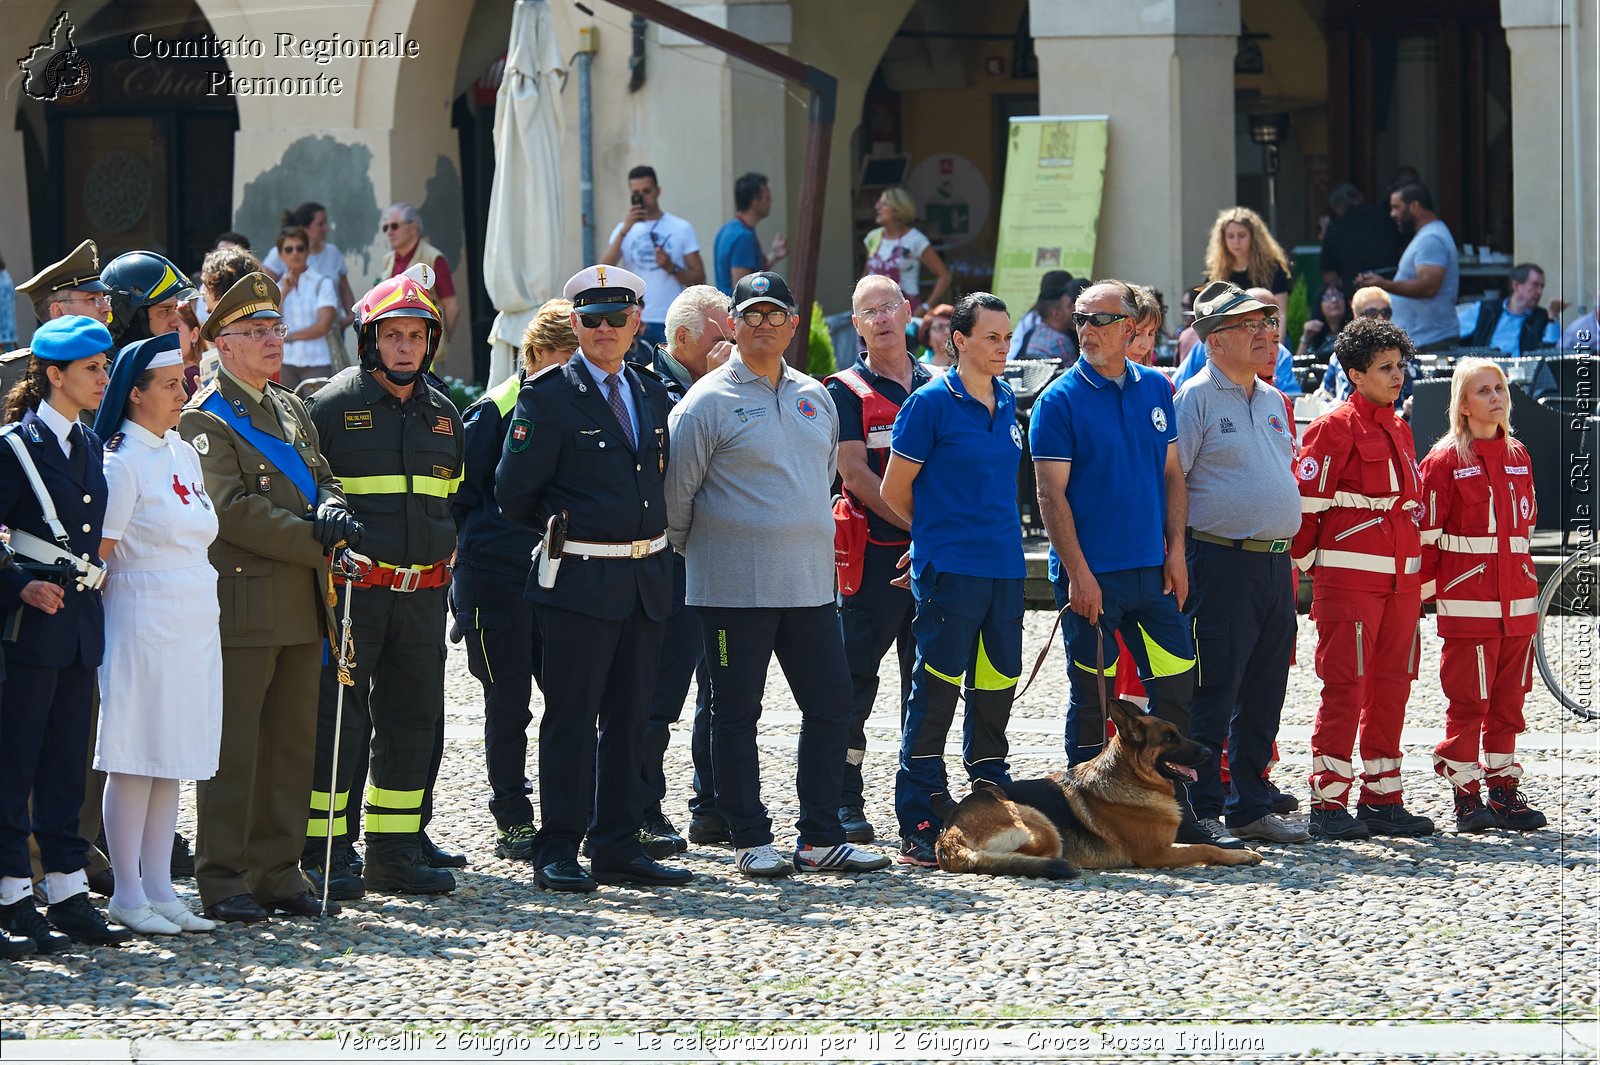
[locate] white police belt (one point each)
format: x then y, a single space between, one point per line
33 548
632 549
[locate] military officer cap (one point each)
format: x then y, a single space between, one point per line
80 271
254 295
604 289
69 338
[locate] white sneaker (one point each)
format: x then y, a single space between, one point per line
186 919
763 861
840 859
142 919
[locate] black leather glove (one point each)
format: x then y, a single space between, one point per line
334 524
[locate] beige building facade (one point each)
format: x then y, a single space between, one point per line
917 79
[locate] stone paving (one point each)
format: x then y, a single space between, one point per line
1497 927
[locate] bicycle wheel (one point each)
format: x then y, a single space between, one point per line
1567 644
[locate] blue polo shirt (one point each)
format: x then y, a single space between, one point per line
964 501
1116 439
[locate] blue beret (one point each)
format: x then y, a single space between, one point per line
70 338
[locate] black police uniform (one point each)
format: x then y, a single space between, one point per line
50 659
682 657
497 622
602 622
879 614
399 464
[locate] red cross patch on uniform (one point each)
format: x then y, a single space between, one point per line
442 426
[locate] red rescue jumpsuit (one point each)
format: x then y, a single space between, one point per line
1361 504
1476 564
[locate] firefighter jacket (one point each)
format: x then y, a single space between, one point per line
1478 520
1360 500
399 463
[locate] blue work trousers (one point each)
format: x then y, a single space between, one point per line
969 642
876 618
1157 634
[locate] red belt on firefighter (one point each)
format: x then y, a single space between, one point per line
400 578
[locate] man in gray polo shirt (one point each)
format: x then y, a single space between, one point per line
1236 449
754 447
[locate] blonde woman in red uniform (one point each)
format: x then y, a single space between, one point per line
1478 486
1360 536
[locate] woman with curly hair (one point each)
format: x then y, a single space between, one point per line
1243 252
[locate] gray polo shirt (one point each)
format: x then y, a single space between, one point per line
750 488
1237 456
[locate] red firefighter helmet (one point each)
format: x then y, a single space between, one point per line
402 296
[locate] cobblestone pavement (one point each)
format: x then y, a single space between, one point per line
1490 927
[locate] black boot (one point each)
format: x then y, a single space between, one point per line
1471 814
182 858
345 886
437 856
658 834
1511 810
395 866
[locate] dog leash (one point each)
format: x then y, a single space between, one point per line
1099 660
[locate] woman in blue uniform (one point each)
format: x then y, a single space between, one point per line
53 499
158 724
952 475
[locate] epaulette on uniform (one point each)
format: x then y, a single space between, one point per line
116 441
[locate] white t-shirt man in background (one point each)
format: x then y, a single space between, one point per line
661 248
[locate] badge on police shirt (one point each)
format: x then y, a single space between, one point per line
202 444
442 426
264 484
358 419
1158 418
521 432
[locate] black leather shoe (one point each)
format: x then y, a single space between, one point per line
643 870
15 946
440 859
857 829
23 919
83 923
564 875
236 908
103 884
708 829
302 904
658 827
182 858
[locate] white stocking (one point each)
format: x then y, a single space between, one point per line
160 823
126 806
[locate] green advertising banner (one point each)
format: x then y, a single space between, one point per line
1055 171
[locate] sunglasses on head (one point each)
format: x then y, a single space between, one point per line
1098 319
616 319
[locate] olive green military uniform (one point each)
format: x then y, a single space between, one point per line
399 464
273 587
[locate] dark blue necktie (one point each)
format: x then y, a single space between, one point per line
614 398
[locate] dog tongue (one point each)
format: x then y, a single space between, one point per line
1188 773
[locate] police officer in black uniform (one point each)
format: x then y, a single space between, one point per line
395 442
585 461
493 557
53 499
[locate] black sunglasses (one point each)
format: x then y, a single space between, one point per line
289 249
1097 319
616 319
1377 312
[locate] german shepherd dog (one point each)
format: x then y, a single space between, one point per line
1115 811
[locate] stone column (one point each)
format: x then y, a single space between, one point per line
1163 71
1554 147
